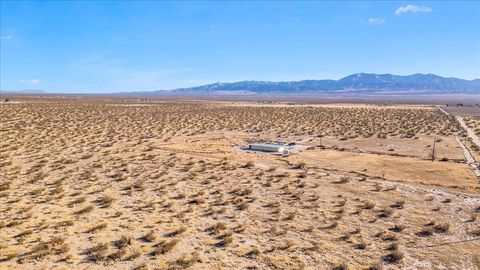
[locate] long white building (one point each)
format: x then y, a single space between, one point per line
267 147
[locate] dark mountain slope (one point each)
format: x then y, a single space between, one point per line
359 81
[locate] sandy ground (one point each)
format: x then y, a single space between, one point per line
87 185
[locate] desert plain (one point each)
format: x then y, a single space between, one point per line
121 183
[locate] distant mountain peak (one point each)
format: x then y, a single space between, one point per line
356 82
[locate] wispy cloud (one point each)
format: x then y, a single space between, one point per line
374 21
412 9
7 37
30 82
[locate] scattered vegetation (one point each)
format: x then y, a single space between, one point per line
102 184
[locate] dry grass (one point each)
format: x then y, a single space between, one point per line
99 185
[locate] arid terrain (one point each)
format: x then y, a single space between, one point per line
105 183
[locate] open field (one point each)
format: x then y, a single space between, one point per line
106 183
463 111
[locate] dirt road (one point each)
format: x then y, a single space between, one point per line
442 110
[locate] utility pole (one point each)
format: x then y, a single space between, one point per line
433 149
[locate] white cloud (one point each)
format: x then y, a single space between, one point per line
374 21
6 37
31 82
412 9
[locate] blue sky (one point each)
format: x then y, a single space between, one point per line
102 46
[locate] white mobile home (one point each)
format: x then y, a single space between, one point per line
267 147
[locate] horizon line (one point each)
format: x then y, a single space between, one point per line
45 91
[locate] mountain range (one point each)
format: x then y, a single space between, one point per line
360 82
355 84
